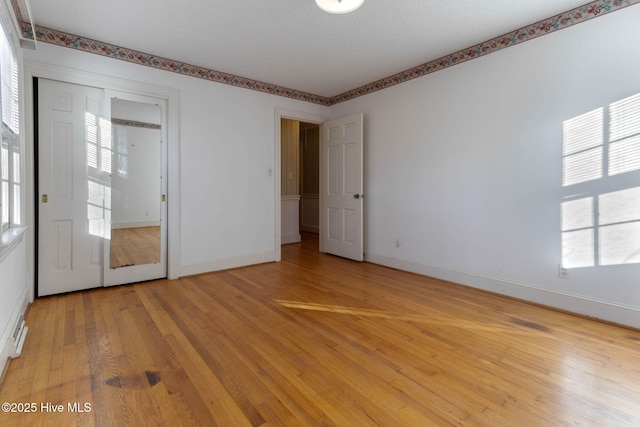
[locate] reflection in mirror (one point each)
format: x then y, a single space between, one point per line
135 183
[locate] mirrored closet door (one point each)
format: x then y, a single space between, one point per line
135 240
102 167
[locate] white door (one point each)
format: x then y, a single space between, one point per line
341 187
71 190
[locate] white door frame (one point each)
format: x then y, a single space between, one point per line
281 113
53 72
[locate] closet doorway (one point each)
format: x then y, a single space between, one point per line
101 159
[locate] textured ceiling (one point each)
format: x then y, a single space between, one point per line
292 43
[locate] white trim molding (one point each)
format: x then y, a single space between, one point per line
226 263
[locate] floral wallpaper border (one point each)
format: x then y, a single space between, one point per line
135 124
72 41
547 26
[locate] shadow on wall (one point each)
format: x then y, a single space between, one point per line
600 211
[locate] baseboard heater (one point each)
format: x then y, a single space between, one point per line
19 336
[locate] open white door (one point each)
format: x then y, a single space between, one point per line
341 187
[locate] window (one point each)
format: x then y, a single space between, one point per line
10 155
601 171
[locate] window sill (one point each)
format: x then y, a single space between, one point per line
9 239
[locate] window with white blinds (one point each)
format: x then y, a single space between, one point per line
10 155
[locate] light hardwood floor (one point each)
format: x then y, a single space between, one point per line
318 340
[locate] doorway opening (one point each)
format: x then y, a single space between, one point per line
300 180
279 174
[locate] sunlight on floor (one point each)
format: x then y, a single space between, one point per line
439 320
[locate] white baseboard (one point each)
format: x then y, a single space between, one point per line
227 263
7 347
591 307
135 224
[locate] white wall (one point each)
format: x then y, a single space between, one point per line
227 162
136 111
464 166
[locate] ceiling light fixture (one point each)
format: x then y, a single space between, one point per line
339 6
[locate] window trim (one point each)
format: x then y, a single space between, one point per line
12 228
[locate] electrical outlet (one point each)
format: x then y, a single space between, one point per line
397 242
563 273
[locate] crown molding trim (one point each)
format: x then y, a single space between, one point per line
530 32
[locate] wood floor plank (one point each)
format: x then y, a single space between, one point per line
218 400
275 372
317 340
